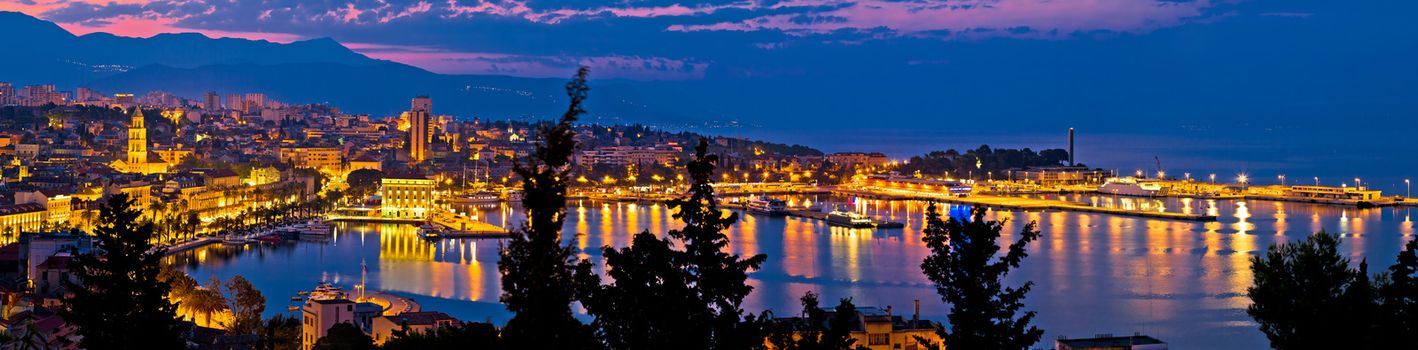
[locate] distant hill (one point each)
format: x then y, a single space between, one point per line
311 71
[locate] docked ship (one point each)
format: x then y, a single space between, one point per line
767 206
849 219
1131 186
431 231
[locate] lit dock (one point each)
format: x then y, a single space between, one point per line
1017 203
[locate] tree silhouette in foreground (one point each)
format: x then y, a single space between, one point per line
1398 295
279 333
969 277
466 335
1305 295
344 336
119 301
663 296
815 331
537 269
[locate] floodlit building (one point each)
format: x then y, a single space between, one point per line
320 158
1334 193
318 315
879 329
853 159
406 195
423 322
418 128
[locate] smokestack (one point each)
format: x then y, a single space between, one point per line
1070 146
917 315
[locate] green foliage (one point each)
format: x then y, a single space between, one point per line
246 304
344 336
967 274
1305 295
537 269
961 165
467 335
364 182
119 302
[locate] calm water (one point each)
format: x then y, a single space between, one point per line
1183 282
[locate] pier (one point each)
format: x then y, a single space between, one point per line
1015 203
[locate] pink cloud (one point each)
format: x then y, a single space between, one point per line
1044 18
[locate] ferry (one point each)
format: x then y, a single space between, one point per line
768 206
1131 186
849 219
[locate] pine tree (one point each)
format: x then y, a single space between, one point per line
119 301
1398 296
967 275
650 303
1305 296
718 277
538 271
664 297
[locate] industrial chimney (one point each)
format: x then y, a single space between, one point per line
1070 146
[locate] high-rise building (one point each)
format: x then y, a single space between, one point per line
418 128
7 94
84 94
236 102
137 139
255 101
214 101
124 100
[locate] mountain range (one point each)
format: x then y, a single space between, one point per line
310 71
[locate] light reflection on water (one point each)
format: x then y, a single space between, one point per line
1181 281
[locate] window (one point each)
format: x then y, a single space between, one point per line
878 339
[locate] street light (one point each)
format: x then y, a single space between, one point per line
1410 188
1356 182
1317 180
1213 177
1242 179
1282 179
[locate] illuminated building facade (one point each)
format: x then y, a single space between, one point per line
418 128
406 196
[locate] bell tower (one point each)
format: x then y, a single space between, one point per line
137 138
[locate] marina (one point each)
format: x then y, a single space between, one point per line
1180 280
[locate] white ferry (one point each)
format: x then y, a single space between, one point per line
1131 186
768 206
849 219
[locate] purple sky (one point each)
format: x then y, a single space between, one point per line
628 38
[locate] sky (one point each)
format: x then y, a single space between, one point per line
1240 84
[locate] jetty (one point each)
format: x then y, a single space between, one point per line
1015 203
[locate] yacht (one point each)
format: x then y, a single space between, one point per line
849 219
768 206
1131 186
430 231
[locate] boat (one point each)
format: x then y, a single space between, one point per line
430 231
768 206
235 240
1131 186
849 219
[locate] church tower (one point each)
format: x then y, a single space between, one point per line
137 138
